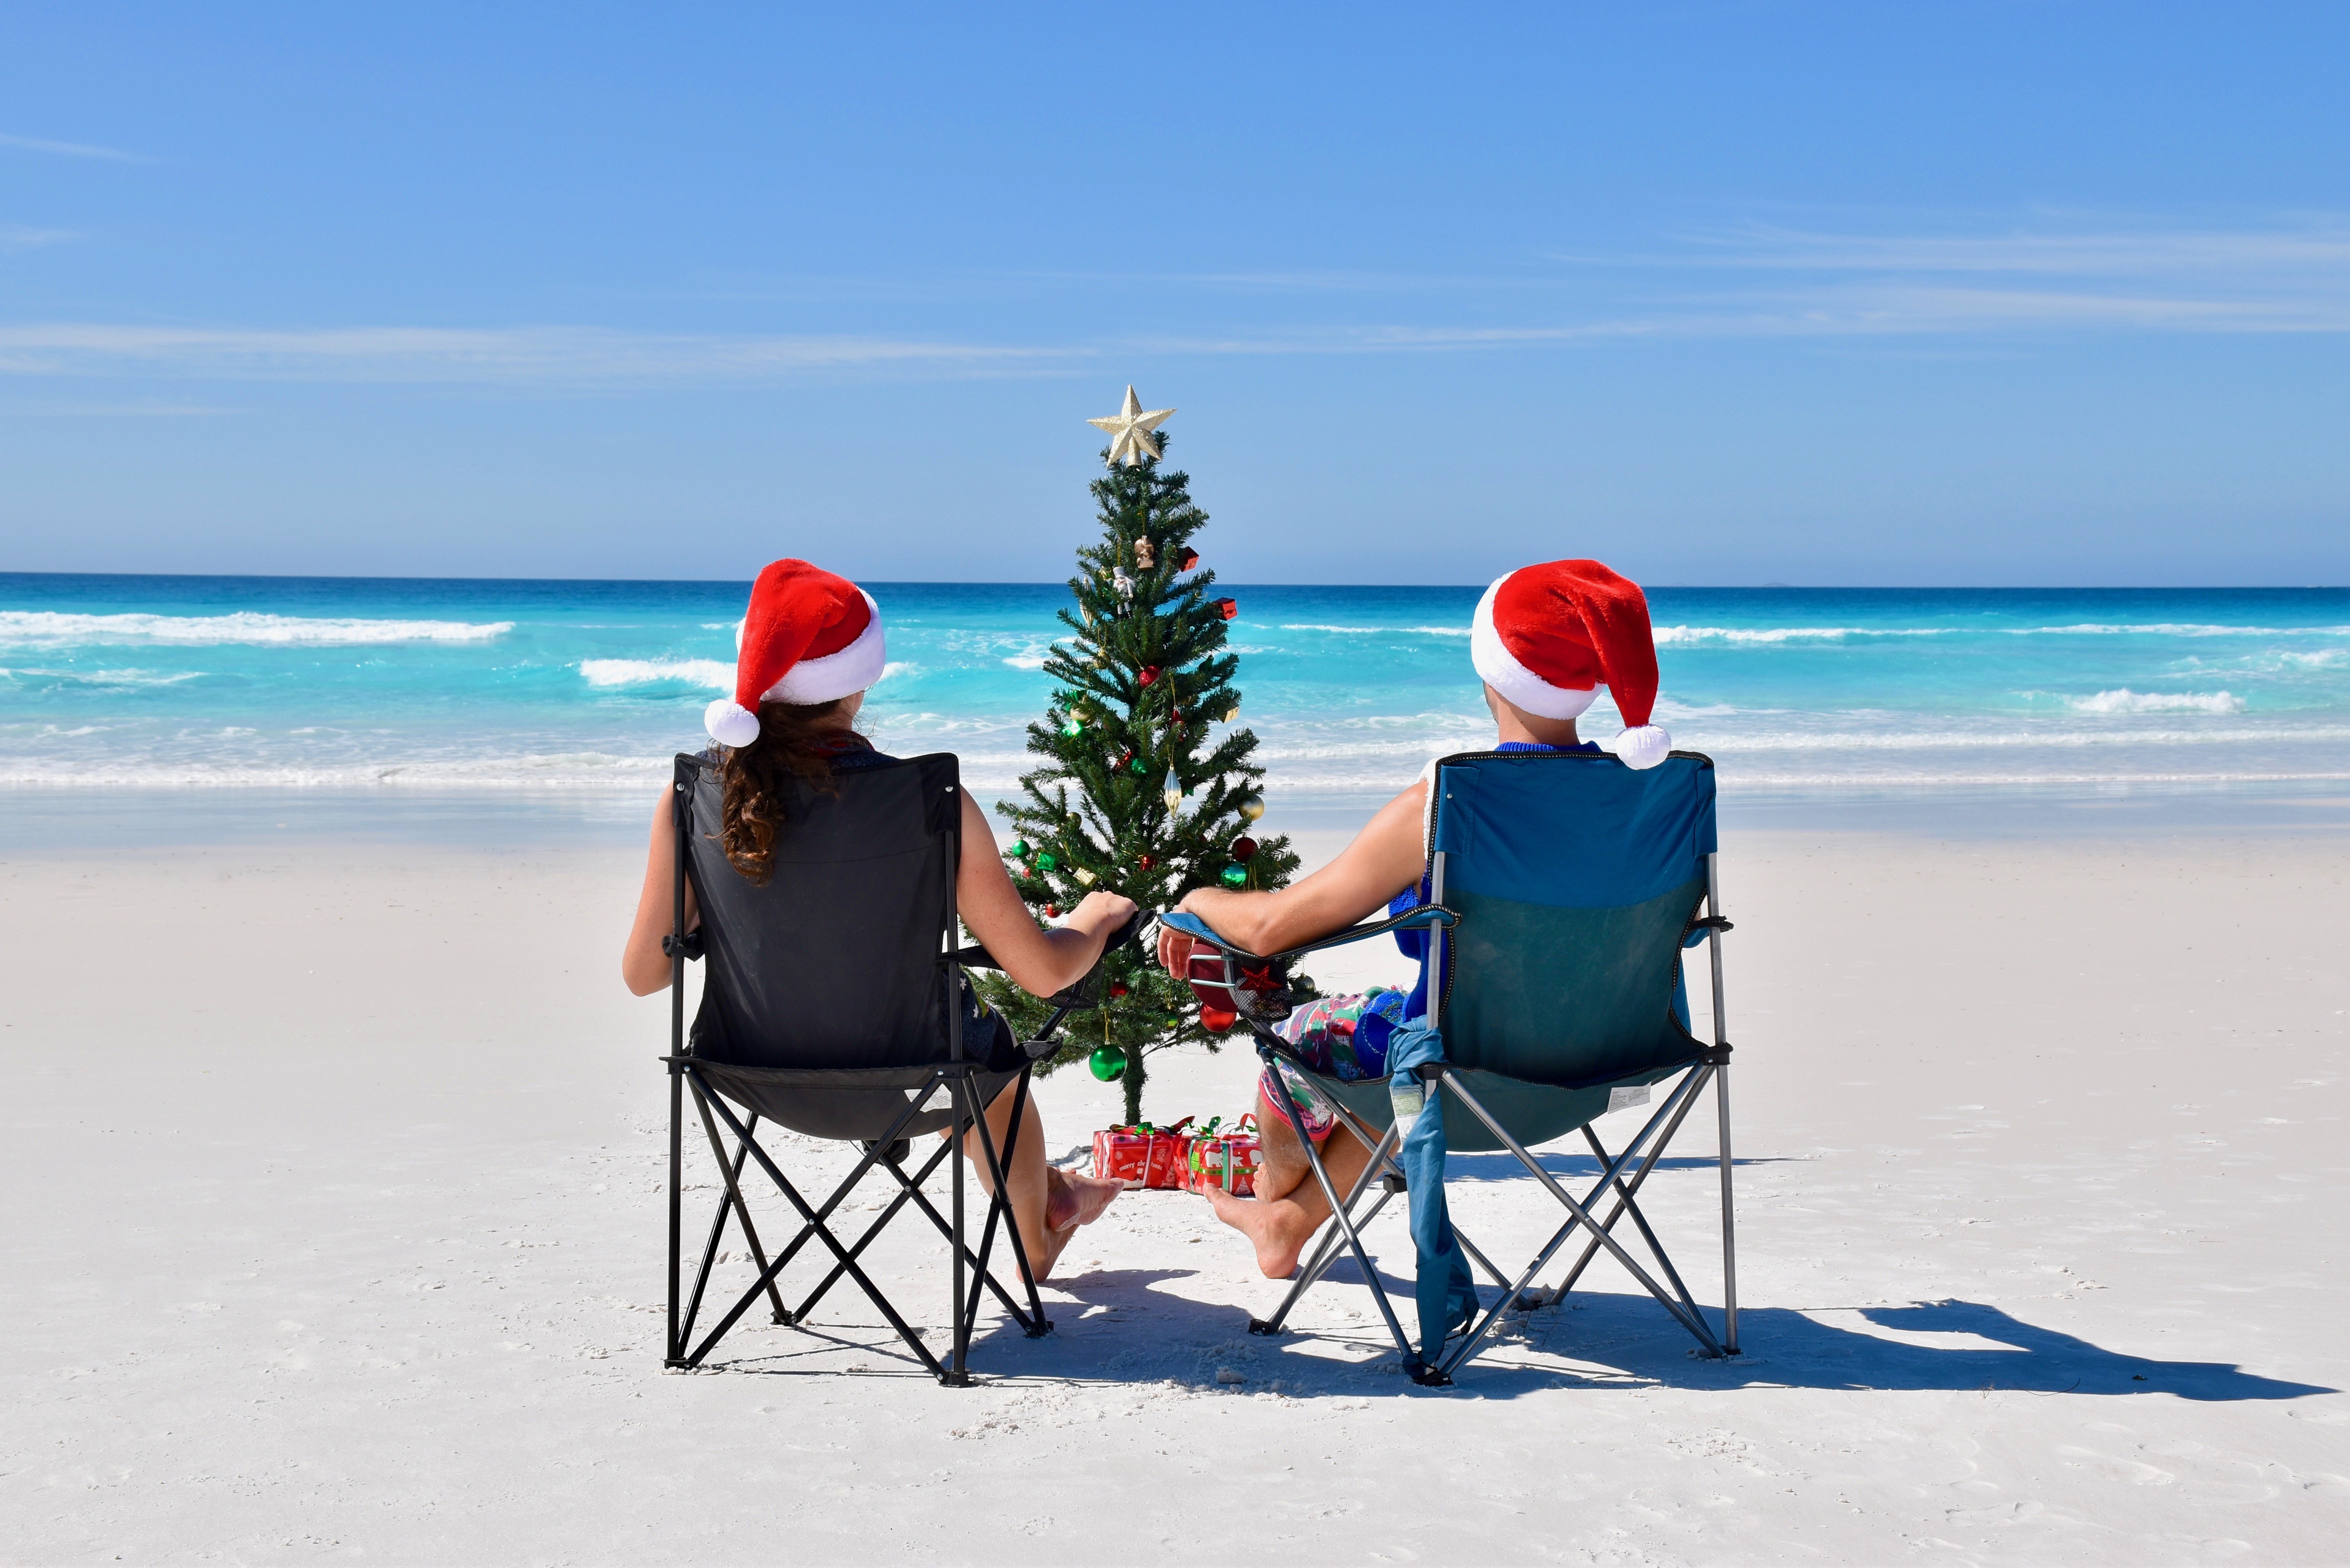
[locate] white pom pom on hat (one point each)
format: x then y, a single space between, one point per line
1548 636
809 637
730 723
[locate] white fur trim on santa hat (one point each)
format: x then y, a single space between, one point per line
1499 668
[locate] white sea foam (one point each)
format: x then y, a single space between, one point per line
556 771
715 674
2175 629
1379 630
104 677
50 627
2125 700
1669 636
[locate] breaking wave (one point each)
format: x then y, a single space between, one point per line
715 674
2125 700
50 627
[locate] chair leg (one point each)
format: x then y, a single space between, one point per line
1728 1219
727 1205
959 1377
673 1353
1345 1221
1325 1250
1033 1323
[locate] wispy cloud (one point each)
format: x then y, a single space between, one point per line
548 353
139 410
72 149
1756 283
2241 255
20 239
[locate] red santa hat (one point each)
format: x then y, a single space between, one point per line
1547 637
809 637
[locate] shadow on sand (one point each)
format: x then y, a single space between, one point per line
1604 1340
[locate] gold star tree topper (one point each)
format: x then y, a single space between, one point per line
1130 431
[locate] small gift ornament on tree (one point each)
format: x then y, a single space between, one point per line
1133 801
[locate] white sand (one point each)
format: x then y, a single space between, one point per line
333 1230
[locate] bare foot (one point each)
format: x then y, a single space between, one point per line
1055 1242
1268 1226
1073 1200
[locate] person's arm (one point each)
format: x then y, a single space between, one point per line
1040 962
1384 859
644 968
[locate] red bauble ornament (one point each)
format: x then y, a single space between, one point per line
1146 863
1052 911
1242 849
1191 560
1116 990
1150 671
1216 1020
1227 607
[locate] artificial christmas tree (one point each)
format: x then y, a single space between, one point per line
1136 793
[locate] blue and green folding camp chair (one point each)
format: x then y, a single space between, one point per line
1562 888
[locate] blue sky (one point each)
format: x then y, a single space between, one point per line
1932 292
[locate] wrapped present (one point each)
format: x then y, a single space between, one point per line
1228 1160
1142 1155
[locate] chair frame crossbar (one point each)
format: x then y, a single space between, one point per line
1349 1216
880 1153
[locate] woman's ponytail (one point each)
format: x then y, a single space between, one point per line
793 742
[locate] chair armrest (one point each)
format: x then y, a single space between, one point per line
1079 994
1427 914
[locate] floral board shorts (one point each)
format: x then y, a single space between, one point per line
1342 1037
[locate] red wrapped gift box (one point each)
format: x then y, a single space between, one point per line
1143 1155
1227 1160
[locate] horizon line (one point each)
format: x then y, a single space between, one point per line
1059 581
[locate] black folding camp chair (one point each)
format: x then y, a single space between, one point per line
836 1006
1563 889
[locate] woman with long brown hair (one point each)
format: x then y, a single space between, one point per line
810 646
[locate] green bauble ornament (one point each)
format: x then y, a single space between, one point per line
1020 849
1044 862
1139 767
1108 1063
1234 875
1073 726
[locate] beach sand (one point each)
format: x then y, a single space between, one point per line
334 1219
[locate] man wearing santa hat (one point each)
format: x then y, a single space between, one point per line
809 645
1545 640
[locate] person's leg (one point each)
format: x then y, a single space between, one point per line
1289 1206
1048 1205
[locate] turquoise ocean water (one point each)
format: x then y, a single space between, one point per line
440 688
